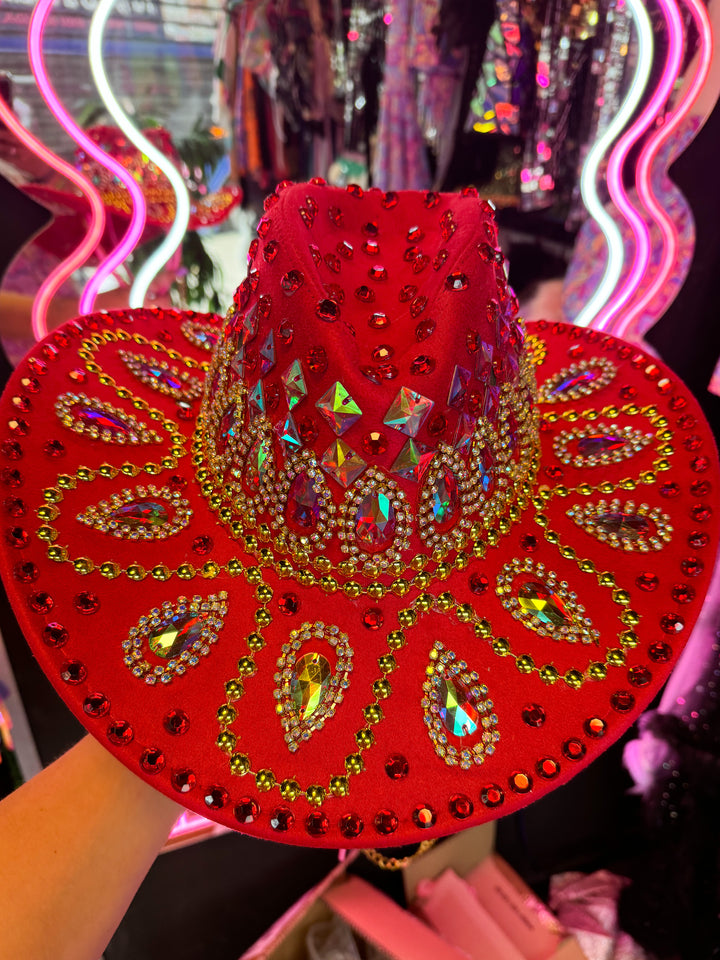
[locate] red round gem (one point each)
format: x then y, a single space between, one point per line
19 427
547 768
41 602
120 732
697 539
660 652
215 797
263 227
370 229
184 780
492 795
152 760
693 442
15 507
37 366
336 216
672 623
533 715
202 545
176 722
388 371
686 422
86 602
285 333
246 810
377 273
345 250
407 292
692 566
386 822
55 635
456 281
670 489
374 443
351 826
420 263
77 376
460 806
424 329
365 294
411 253
520 782
647 581
440 259
289 604
25 572
699 464
424 817
270 251
12 449
437 425
628 392
639 676
574 749
332 262
317 824
576 351
700 488
21 403
595 727
397 767
177 483
422 364
529 543
554 473
478 583
73 671
54 448
281 819
682 593
417 306
382 352
316 359
371 373
307 430
17 537
11 478
622 701
415 235
378 321
373 618
327 310
96 705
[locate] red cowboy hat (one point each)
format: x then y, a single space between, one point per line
380 566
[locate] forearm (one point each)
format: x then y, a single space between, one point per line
75 843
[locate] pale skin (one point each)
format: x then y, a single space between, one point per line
77 841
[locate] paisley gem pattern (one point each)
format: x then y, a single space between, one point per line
375 518
445 492
202 335
600 445
308 690
624 525
303 504
174 637
578 380
145 513
538 599
458 711
98 420
159 375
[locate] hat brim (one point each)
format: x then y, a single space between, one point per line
540 680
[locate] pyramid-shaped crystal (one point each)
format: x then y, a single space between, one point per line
288 434
338 408
256 398
341 462
458 387
245 327
464 432
411 461
267 354
294 383
408 411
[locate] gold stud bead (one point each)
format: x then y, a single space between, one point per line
83 566
373 713
587 566
290 790
264 780
226 714
387 663
263 594
246 666
226 741
606 579
255 642
597 671
381 689
376 591
400 588
630 618
464 612
629 639
234 689
364 738
548 674
407 617
57 554
339 786
574 679
253 574
354 763
49 534
135 572
352 589
621 597
263 617
501 646
160 572
483 629
396 640
186 571
615 657
210 570
525 663
315 795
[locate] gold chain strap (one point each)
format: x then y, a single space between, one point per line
397 863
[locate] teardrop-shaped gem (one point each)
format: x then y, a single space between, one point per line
597 443
458 711
624 525
577 380
257 465
146 513
600 445
303 505
375 522
159 376
445 500
174 637
227 429
202 335
142 513
627 526
545 605
101 421
310 683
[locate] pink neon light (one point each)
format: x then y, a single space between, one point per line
641 232
97 220
627 327
120 253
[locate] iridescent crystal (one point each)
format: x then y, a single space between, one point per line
411 461
444 499
573 380
408 411
141 514
246 329
256 464
309 683
464 432
288 434
484 363
338 408
228 423
626 526
486 472
176 635
598 443
375 522
163 376
267 354
342 462
459 716
102 420
458 387
294 383
544 604
256 398
303 504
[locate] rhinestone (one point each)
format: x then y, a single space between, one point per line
458 714
294 384
256 465
478 583
397 767
424 817
444 499
437 425
370 229
327 310
285 333
176 722
342 462
542 603
287 434
378 321
120 733
647 581
256 398
422 365
86 602
387 371
460 806
96 705
456 281
529 543
382 352
309 683
377 273
417 306
307 430
574 749
25 572
595 727
338 408
660 652
289 604
533 715
374 443
55 635
371 248
572 381
639 676
411 461
598 443
176 634
316 359
492 795
670 490
142 514
520 782
408 411
345 250
371 373
215 798
458 387
672 623
407 292
424 329
547 768
15 507
41 602
386 822
317 824
373 618
267 354
625 526
332 262
184 780
622 701
375 521
303 505
152 760
351 826
103 420
682 593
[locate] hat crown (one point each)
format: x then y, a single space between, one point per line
369 396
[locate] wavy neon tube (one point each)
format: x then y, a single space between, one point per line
122 251
77 258
627 326
154 264
588 177
608 319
